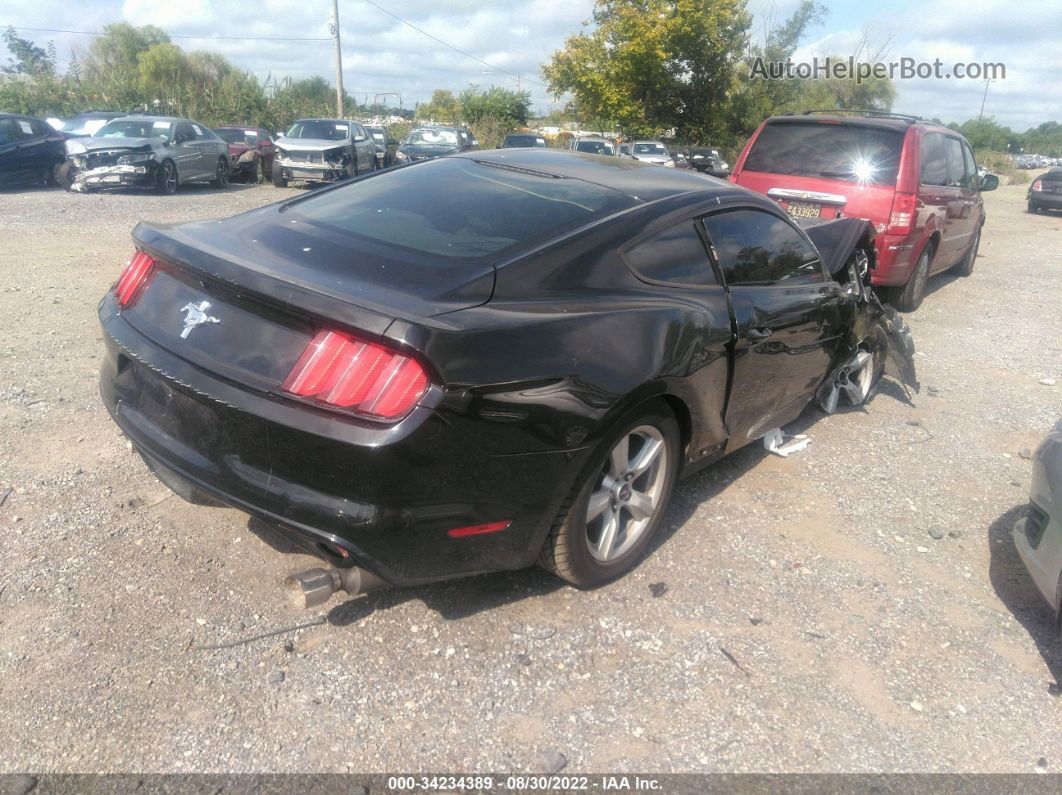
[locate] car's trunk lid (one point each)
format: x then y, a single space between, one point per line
244 297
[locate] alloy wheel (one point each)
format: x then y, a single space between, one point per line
628 493
169 178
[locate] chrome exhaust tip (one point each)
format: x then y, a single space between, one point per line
316 586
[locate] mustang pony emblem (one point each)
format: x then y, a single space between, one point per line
195 315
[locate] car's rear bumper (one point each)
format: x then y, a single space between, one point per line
896 258
1038 536
388 505
1042 199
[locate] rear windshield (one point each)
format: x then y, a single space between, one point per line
459 208
237 136
524 141
595 147
833 151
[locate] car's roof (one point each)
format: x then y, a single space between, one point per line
172 119
899 123
112 113
236 127
642 180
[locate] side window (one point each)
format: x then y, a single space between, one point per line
971 182
198 131
934 165
185 131
956 166
9 131
757 248
25 127
40 128
357 131
675 255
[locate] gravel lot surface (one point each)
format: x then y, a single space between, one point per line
857 607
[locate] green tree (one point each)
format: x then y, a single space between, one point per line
27 58
985 134
510 108
443 107
652 65
111 67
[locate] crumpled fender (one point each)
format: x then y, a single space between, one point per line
847 250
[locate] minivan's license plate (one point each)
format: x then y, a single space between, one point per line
800 210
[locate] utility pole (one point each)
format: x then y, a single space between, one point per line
339 59
982 113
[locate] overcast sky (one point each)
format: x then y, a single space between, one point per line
380 54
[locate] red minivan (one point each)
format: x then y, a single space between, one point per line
916 181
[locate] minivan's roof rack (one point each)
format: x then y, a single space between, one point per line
876 114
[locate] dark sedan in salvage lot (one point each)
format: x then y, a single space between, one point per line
162 153
483 361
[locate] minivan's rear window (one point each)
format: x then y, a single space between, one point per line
461 208
850 152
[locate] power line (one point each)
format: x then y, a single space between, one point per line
452 47
206 38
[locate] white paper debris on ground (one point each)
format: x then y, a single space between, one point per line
775 442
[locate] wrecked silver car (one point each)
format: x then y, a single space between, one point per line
1038 534
323 150
145 152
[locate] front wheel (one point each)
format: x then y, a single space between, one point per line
278 176
221 173
608 521
166 178
251 175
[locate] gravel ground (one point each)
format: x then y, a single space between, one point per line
857 607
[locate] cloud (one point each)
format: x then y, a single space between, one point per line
517 36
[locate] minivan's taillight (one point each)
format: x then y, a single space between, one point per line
133 279
1037 184
902 216
362 377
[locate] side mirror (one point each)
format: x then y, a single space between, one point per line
989 182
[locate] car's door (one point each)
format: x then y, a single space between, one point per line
787 318
265 149
959 225
365 146
940 202
971 196
12 166
186 154
209 148
38 145
674 263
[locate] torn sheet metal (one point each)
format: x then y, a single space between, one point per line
879 342
774 441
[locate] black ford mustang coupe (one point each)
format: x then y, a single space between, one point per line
483 361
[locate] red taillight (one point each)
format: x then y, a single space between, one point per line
133 279
478 529
363 377
902 216
1037 185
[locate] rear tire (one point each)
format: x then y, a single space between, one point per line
608 521
966 265
251 177
909 297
